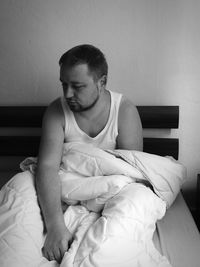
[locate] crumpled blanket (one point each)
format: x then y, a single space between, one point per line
112 213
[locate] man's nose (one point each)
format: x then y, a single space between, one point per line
69 92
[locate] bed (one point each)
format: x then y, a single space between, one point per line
176 235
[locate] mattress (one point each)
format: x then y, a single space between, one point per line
177 236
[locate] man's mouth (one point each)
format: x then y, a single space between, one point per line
72 102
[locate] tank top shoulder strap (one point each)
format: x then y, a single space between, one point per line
67 113
116 101
116 98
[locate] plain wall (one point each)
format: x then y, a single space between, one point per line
152 48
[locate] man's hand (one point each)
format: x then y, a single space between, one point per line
57 242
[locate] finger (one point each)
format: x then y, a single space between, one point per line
62 253
50 256
63 248
57 255
44 253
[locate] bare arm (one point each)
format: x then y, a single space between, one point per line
129 126
48 183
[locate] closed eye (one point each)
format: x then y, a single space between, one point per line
78 87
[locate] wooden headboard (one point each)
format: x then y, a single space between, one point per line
12 117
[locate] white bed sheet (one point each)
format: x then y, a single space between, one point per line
177 236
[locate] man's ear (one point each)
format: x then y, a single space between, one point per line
103 81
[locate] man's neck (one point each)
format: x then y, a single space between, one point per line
98 108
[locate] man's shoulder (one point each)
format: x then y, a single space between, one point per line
54 110
55 104
127 111
127 105
129 126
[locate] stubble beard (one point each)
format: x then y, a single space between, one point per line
76 107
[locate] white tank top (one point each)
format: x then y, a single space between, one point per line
106 139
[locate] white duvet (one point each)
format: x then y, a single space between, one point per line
112 213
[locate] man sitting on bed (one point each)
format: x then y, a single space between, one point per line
87 113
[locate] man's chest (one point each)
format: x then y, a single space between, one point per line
94 126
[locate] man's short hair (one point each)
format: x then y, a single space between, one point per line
86 54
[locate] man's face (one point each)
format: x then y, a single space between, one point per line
80 89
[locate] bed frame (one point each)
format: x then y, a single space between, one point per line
20 132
